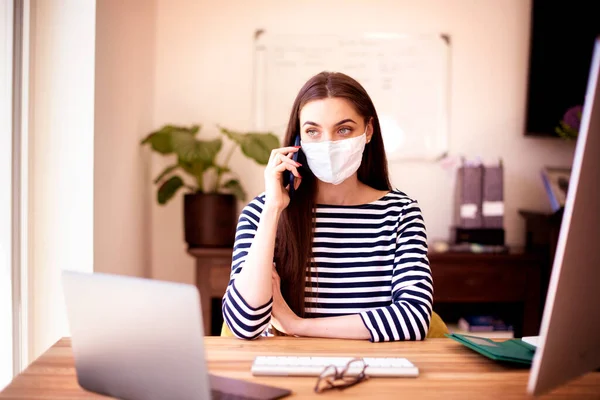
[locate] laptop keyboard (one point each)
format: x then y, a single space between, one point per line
218 395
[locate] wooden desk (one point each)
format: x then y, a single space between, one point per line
448 370
458 278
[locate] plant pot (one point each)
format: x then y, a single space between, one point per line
210 219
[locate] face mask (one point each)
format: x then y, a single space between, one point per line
334 162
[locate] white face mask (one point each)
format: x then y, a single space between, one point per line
334 162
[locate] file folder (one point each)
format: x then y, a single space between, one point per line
512 350
469 192
492 209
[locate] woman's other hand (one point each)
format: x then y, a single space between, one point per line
282 317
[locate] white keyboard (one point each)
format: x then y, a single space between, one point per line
313 366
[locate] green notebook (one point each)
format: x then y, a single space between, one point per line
512 350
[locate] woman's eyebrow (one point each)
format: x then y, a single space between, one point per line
311 123
337 124
344 121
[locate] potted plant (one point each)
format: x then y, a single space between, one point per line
568 128
210 211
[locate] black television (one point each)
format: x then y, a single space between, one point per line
561 44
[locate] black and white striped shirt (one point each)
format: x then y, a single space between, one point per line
370 259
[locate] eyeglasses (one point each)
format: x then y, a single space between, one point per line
332 378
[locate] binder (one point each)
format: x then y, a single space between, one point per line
492 209
469 193
512 350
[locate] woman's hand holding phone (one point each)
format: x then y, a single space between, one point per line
276 195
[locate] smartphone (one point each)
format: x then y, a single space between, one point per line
288 177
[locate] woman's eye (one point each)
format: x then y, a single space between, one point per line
345 131
311 132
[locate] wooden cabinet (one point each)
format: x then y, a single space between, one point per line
461 281
509 282
212 276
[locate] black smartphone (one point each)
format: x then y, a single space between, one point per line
288 177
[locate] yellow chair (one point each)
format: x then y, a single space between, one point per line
225 331
437 328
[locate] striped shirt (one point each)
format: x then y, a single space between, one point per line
369 259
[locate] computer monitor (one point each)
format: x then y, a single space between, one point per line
569 343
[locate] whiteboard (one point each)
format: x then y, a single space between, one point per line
406 76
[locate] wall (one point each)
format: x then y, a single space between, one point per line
6 172
204 74
123 115
61 159
91 90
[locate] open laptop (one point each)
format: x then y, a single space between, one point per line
142 339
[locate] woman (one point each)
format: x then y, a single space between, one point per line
350 251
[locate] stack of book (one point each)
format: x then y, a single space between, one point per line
485 326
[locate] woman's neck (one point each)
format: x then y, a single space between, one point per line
349 192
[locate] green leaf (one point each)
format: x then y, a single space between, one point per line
195 168
168 189
236 137
565 131
236 189
209 150
165 172
194 129
255 145
190 149
161 140
258 146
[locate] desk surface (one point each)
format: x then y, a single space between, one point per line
447 370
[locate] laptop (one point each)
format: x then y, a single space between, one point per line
143 339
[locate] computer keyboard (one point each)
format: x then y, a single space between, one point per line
313 366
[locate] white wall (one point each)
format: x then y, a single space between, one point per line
61 144
123 115
91 88
6 343
204 74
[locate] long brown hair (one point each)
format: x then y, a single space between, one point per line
293 249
